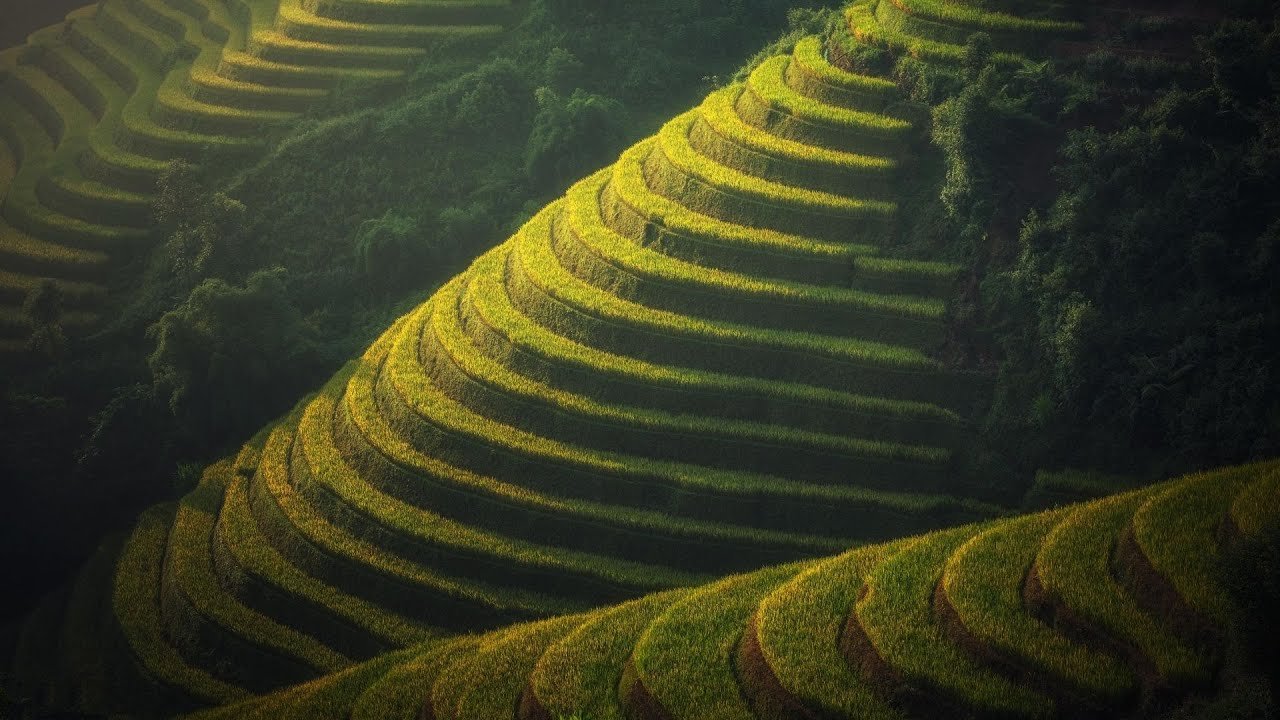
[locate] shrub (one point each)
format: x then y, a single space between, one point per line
571 136
228 353
392 252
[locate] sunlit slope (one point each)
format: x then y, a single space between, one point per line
92 109
1104 609
696 362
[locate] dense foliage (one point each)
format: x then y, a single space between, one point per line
349 220
1128 298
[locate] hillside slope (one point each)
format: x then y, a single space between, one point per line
1111 608
91 111
696 362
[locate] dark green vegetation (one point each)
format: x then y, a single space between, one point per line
438 164
1127 298
1019 618
549 432
767 333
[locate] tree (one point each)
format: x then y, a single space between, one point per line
393 250
230 357
571 136
43 306
203 228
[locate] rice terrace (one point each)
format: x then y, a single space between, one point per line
657 360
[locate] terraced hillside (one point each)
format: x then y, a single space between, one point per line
1106 609
92 110
696 362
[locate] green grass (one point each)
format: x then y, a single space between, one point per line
584 313
400 693
416 391
812 75
153 48
25 211
983 582
362 568
491 318
683 645
1073 566
488 684
580 672
470 544
878 22
210 87
582 213
433 12
1256 508
755 151
75 294
629 183
91 200
768 82
266 653
275 46
250 561
616 421
333 697
245 67
897 616
1177 532
763 200
136 607
296 21
637 211
798 624
534 255
953 22
139 133
685 657
22 253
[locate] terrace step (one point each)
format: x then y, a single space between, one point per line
488 683
721 134
683 662
247 563
760 644
207 86
599 255
21 253
769 102
295 21
209 627
175 685
579 673
676 230
544 290
1072 581
490 389
14 288
421 534
422 593
677 170
904 639
275 47
982 603
251 68
492 322
812 74
786 658
565 503
413 12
